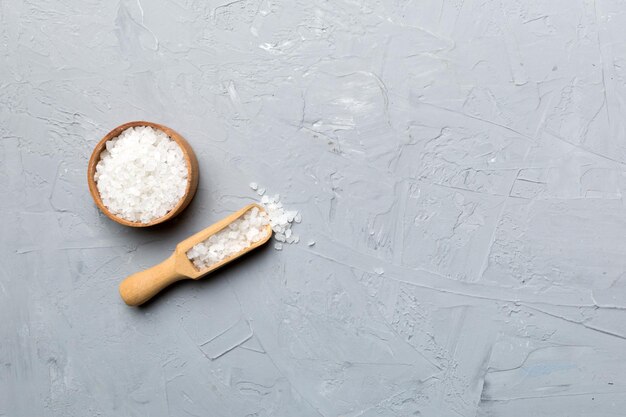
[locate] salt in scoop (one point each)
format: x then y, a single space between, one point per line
142 286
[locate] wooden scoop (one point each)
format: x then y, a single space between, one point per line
142 286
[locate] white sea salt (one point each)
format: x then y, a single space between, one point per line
281 219
141 175
238 235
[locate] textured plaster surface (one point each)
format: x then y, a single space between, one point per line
461 166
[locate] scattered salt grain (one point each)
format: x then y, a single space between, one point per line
311 243
239 235
141 175
379 270
254 186
280 219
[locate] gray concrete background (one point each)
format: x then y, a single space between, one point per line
460 164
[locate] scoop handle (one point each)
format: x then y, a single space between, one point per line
142 286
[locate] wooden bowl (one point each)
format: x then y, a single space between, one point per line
188 154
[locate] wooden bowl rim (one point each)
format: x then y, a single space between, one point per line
190 160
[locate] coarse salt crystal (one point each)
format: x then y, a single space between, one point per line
239 235
141 175
280 220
